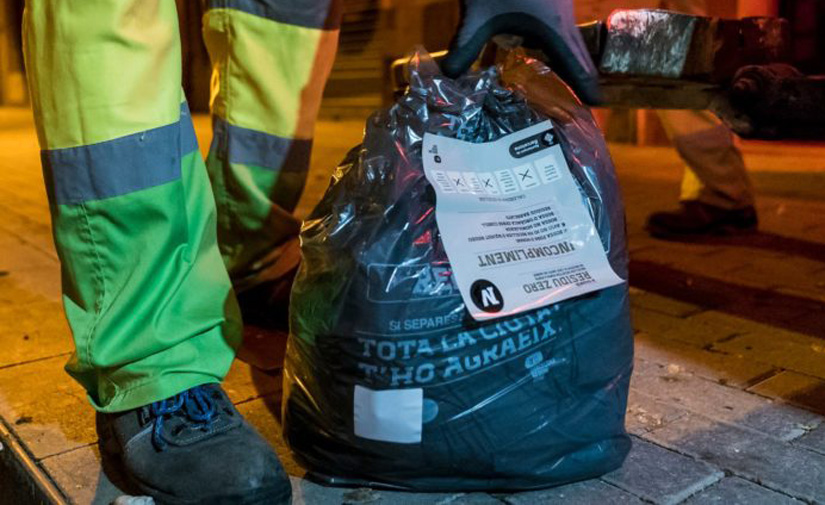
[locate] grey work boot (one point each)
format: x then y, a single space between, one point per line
194 448
697 219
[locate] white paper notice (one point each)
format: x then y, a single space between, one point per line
513 223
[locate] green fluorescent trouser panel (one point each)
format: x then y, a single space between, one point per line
146 294
270 62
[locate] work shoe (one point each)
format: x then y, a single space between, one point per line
194 448
696 219
264 300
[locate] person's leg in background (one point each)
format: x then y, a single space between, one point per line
149 302
717 195
271 60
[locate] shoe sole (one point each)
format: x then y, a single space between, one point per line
716 231
263 496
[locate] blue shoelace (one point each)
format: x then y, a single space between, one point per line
196 405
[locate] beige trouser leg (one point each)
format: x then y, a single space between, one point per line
715 173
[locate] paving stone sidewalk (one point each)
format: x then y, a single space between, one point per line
727 400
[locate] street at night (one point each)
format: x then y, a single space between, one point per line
728 393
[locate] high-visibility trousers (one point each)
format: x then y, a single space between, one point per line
148 234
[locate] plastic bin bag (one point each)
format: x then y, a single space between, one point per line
388 381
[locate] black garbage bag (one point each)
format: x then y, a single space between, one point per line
389 381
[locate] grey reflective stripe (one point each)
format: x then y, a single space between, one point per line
322 14
241 145
120 166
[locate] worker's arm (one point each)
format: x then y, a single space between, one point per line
546 24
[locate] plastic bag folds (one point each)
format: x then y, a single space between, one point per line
388 380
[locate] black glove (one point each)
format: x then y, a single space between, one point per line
546 24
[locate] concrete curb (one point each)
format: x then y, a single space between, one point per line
22 481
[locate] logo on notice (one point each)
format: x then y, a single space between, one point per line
486 296
533 144
434 151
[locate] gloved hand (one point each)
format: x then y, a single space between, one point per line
546 24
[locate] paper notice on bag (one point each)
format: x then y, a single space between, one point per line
513 223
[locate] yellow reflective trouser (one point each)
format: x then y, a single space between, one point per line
145 230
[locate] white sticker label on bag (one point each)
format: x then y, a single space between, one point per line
393 415
513 223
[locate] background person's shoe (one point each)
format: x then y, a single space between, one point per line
194 448
696 219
